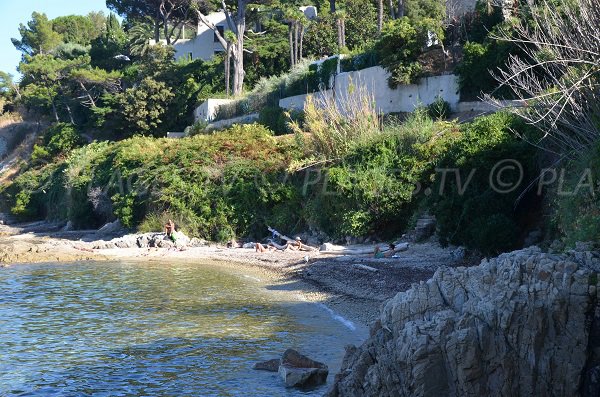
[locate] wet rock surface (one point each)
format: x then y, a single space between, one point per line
526 323
296 370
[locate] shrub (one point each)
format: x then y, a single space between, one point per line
275 119
481 217
336 125
576 199
439 109
61 138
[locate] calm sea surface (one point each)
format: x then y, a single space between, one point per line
119 329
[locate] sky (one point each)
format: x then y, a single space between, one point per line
12 13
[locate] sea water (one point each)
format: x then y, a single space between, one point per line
158 329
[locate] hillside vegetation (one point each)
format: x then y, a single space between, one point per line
340 172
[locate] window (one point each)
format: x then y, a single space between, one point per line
221 30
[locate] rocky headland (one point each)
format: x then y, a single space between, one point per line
526 323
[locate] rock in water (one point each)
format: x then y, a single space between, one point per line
303 377
297 370
523 324
269 365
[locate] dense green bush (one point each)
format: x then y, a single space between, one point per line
216 186
439 109
575 195
398 48
485 215
480 59
275 119
61 138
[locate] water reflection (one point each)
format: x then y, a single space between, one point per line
156 330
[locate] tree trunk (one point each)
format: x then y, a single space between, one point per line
392 10
166 29
55 112
70 113
239 73
301 49
343 33
228 70
332 6
339 32
400 8
296 41
92 102
291 39
379 16
157 27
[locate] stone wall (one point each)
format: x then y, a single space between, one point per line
523 324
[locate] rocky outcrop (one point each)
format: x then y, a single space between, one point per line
296 370
148 240
523 324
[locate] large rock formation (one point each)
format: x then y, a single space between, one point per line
523 324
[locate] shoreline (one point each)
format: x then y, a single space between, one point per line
354 287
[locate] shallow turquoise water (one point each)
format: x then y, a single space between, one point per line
152 330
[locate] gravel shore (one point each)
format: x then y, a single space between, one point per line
353 286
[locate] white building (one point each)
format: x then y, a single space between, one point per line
205 45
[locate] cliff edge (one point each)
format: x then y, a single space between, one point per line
525 323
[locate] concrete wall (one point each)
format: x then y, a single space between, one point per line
208 109
403 99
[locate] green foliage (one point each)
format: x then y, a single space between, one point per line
575 196
275 119
439 109
370 192
78 29
398 48
144 106
483 217
109 45
37 37
360 61
321 37
61 138
478 61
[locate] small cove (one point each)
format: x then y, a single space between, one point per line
159 329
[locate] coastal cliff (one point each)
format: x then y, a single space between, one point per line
525 323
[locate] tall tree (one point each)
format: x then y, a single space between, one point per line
236 22
169 16
37 37
77 29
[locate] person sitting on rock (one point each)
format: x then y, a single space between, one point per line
170 230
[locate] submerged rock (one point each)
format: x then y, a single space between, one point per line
297 370
303 377
525 323
269 365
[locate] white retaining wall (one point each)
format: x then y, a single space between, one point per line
208 109
403 99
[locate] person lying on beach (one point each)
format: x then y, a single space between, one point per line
258 247
379 254
297 245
